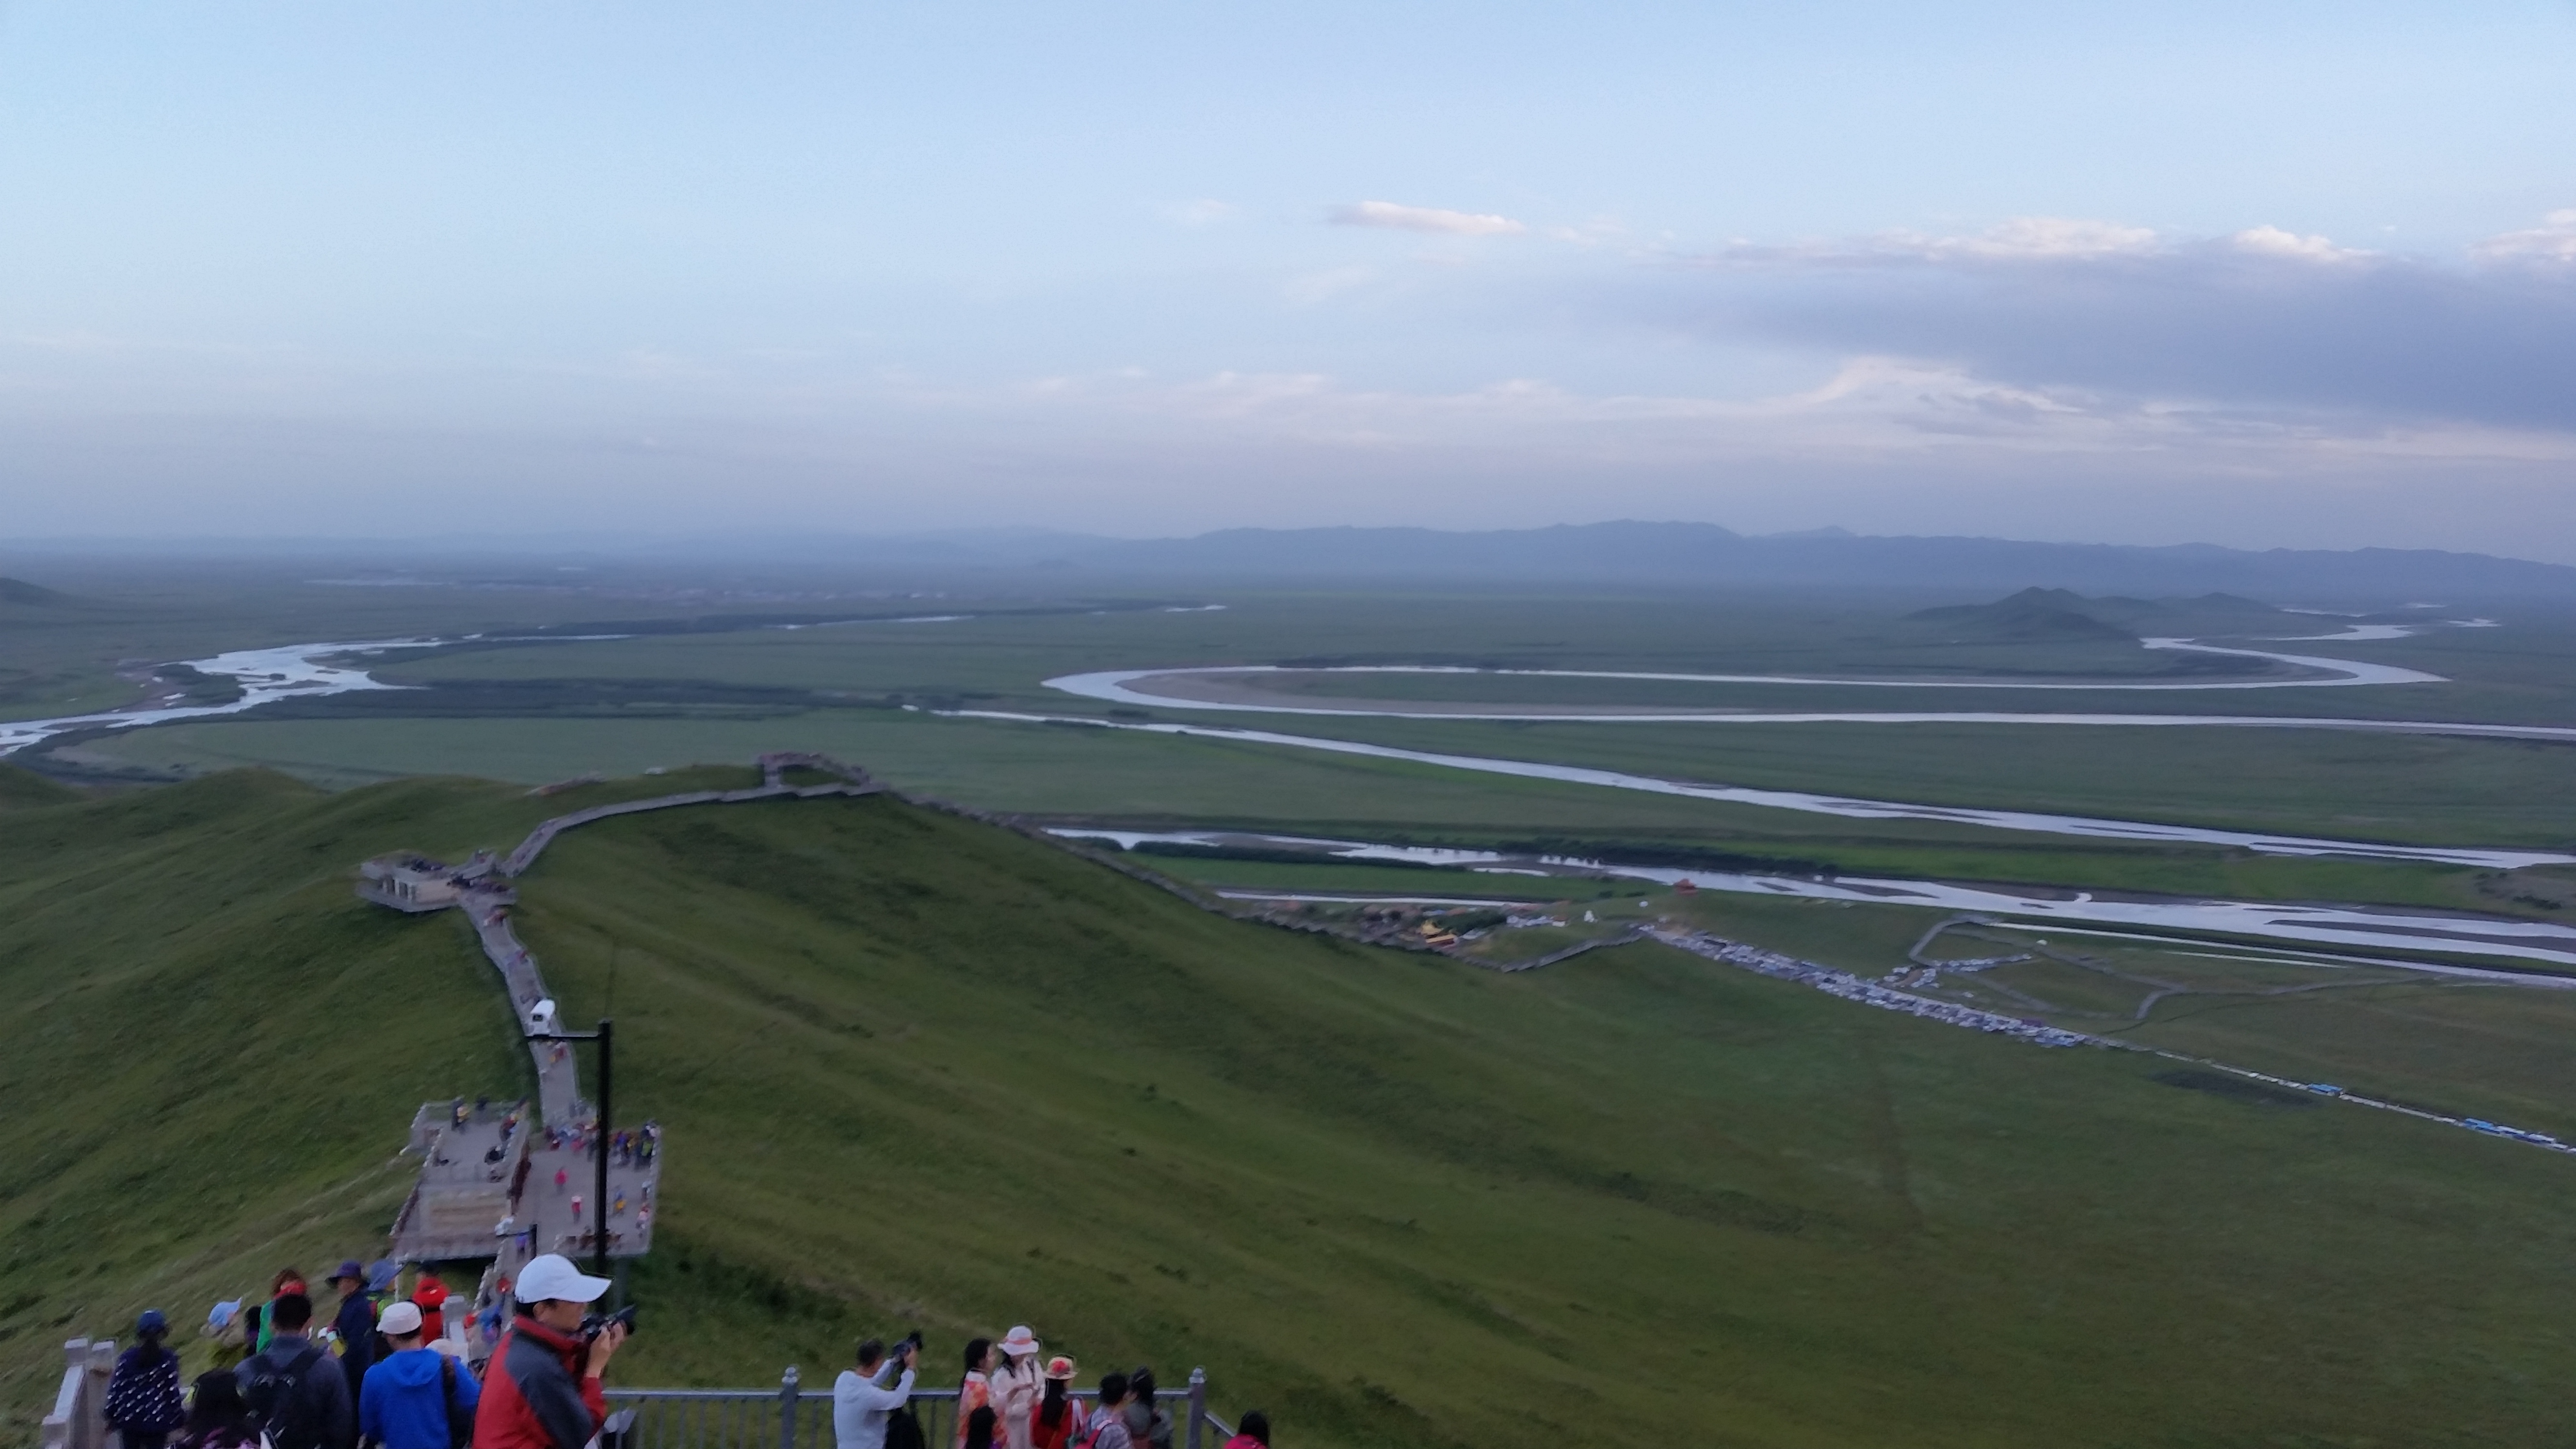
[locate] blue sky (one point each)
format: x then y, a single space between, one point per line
2257 273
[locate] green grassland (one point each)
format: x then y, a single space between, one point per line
2470 1048
917 1069
2515 672
2398 788
666 692
2406 788
1073 774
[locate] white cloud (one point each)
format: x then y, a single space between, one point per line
2049 236
1873 412
2020 239
2554 240
2261 320
1395 217
2272 241
1201 212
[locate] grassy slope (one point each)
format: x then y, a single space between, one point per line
211 1046
911 1058
919 1070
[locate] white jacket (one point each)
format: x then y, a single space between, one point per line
860 1407
1017 1387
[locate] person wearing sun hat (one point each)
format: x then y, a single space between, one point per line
1014 1386
1059 1414
355 1322
542 1390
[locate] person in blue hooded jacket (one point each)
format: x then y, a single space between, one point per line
413 1394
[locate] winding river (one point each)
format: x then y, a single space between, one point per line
2079 825
2547 942
1236 688
288 671
307 671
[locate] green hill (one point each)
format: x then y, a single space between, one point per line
2031 616
2064 616
23 788
917 1069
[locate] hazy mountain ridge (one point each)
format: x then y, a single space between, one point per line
1627 553
1701 553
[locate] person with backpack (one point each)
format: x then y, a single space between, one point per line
297 1395
1108 1426
355 1323
1148 1426
862 1404
217 1417
542 1389
416 1397
228 1324
143 1404
1058 1419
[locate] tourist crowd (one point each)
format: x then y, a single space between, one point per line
1007 1399
384 1373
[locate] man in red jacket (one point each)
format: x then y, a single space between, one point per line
542 1390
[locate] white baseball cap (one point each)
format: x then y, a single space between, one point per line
400 1319
551 1275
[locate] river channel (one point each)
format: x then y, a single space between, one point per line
2545 942
308 671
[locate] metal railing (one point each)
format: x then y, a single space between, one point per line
793 1417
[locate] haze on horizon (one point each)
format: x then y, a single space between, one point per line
2290 274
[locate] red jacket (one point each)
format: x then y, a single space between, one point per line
535 1395
427 1295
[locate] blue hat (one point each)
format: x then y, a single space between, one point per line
351 1268
151 1323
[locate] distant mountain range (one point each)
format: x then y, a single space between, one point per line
1621 554
1704 554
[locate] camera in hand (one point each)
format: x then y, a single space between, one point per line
597 1323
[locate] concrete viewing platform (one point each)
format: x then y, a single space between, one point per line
495 1182
508 1181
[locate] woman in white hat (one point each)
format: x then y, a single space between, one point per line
1015 1386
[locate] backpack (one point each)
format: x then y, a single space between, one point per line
460 1419
275 1395
903 1430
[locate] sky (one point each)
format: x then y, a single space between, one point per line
2263 274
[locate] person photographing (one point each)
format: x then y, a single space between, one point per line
863 1402
543 1389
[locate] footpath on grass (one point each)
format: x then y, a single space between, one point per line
498 1179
